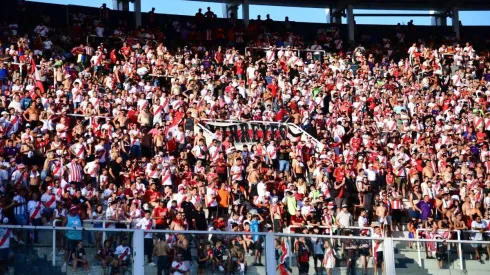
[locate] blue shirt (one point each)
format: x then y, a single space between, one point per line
74 221
3 73
254 227
25 103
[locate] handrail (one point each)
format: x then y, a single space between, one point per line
242 121
444 230
268 48
317 142
330 233
199 124
104 223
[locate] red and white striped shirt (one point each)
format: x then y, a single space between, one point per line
75 172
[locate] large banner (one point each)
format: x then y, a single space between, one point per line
254 131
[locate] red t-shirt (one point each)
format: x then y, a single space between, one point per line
126 50
339 174
239 68
273 89
160 212
296 219
152 195
481 136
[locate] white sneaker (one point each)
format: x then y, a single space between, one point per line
21 242
61 253
152 264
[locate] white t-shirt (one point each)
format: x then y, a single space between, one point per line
180 265
377 247
31 208
47 197
143 224
110 213
121 250
477 236
210 192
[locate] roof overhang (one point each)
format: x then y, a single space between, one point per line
437 5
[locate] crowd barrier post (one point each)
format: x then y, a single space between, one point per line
419 255
138 252
389 254
270 254
54 245
104 235
460 251
290 258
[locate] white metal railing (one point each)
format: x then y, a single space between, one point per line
138 236
459 242
331 229
138 243
104 235
275 49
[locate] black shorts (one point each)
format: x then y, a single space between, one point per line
201 265
258 245
364 252
304 267
71 244
397 215
440 256
4 254
379 258
318 257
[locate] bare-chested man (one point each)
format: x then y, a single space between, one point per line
296 116
32 114
178 222
145 118
122 118
381 213
158 140
428 172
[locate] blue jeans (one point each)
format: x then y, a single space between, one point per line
283 165
44 174
136 151
34 234
21 219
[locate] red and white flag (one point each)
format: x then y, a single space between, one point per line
37 76
174 126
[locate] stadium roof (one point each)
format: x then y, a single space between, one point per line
439 5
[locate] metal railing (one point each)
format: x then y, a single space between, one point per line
138 235
269 237
419 254
104 234
331 229
459 242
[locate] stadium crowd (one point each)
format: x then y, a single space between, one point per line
395 134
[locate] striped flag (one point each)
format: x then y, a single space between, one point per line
177 118
36 75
